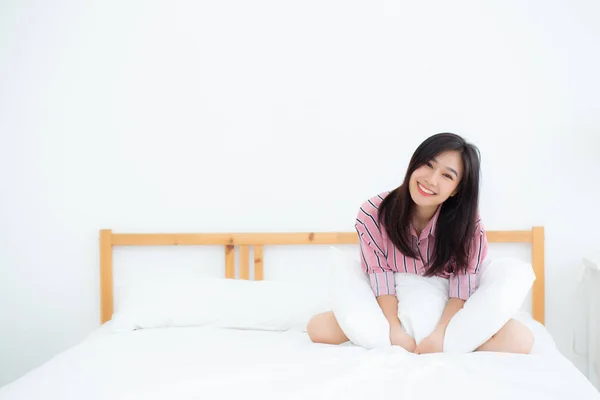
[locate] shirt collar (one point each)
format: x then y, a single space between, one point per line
429 229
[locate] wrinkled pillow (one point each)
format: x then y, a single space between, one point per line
504 285
224 303
421 302
353 303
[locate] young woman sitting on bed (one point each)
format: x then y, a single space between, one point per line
429 225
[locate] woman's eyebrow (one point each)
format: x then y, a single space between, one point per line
453 170
448 168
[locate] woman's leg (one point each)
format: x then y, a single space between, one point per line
513 337
323 328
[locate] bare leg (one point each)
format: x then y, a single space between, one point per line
324 328
513 337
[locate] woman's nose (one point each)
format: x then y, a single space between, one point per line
433 179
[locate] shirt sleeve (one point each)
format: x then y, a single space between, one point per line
463 284
372 256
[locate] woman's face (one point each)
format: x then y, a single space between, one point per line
434 182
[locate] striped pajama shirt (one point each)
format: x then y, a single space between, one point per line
380 259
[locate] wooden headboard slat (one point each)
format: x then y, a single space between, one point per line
244 262
539 285
229 261
106 276
258 263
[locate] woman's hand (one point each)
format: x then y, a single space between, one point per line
399 337
433 343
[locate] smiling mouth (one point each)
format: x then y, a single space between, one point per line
425 190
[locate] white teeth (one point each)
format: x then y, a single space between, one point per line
425 190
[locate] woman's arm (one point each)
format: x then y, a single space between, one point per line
434 343
464 283
398 336
381 275
452 307
373 249
389 306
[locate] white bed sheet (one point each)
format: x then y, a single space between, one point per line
213 363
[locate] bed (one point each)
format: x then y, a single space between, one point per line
208 362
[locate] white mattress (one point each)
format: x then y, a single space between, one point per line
213 363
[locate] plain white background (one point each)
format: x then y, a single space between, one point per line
186 116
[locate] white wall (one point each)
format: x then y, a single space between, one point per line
275 116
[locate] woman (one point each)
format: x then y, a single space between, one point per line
428 226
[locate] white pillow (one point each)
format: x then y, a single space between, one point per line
421 302
504 284
225 303
354 305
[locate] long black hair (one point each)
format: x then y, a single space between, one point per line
457 219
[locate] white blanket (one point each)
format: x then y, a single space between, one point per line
212 363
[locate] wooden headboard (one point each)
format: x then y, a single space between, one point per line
108 239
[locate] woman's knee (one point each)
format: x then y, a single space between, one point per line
513 337
517 337
323 328
523 337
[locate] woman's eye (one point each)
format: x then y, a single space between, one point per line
429 164
448 176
